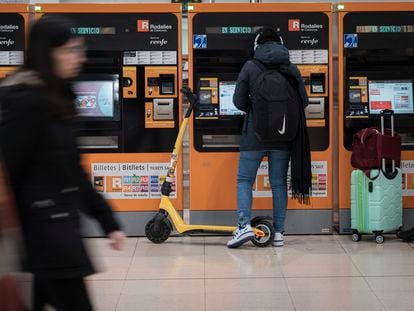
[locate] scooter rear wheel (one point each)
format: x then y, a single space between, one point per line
157 231
267 227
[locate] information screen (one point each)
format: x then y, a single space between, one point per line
395 95
95 98
233 30
226 90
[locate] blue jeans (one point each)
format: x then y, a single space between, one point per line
249 163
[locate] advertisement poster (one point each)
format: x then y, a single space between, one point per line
407 169
130 180
262 189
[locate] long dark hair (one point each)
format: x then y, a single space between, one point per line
48 33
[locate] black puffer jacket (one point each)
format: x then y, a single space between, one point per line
269 53
49 184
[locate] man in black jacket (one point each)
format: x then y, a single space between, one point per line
48 182
269 51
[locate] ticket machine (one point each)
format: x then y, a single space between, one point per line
376 71
13 24
221 38
128 102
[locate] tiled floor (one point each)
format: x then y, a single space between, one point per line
329 273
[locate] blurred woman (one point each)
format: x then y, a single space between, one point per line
49 184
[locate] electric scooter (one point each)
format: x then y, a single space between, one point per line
159 228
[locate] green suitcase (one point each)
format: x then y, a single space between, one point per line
376 200
376 204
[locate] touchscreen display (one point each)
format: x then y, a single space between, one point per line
226 90
94 98
395 95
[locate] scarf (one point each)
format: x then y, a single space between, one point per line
300 161
300 154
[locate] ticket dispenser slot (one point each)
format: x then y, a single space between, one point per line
316 108
163 109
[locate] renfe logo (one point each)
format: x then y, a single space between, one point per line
294 25
143 25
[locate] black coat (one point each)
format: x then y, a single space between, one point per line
49 183
269 53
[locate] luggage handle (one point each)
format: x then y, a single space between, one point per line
390 113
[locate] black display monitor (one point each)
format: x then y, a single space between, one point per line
391 94
97 97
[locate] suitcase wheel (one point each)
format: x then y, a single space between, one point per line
379 239
356 237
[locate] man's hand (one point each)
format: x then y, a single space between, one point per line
117 240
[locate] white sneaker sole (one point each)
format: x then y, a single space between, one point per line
246 237
278 244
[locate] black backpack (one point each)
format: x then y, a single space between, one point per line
275 107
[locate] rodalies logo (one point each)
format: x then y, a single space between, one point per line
296 25
7 43
8 28
144 25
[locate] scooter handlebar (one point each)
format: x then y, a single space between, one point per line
192 98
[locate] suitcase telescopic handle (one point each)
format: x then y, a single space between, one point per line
387 112
383 114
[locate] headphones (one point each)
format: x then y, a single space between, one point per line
256 45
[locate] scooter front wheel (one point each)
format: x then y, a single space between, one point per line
267 227
157 230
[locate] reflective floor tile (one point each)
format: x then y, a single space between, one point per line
396 293
369 246
162 295
332 285
396 264
110 268
105 294
175 246
341 301
100 247
303 245
248 294
242 266
167 267
312 265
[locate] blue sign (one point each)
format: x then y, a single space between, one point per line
350 41
199 41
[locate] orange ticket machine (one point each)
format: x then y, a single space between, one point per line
221 38
128 102
376 71
14 20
